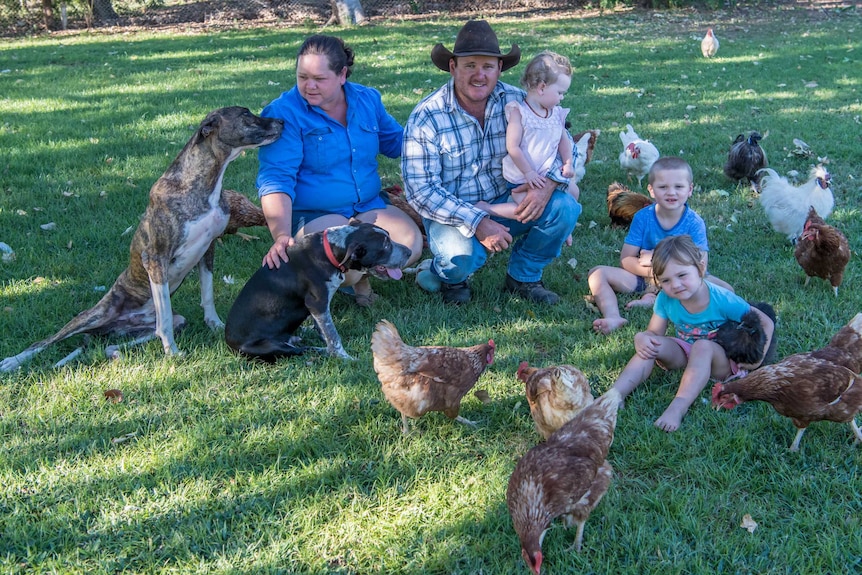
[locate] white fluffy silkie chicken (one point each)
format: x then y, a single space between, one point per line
787 205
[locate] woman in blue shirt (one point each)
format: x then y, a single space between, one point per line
322 171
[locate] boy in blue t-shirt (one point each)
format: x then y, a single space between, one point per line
670 185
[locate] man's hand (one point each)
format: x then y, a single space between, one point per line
533 204
494 236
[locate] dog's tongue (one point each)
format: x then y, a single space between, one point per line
394 273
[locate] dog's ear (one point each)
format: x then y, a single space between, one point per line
208 127
356 251
355 222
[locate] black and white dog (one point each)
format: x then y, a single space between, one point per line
274 303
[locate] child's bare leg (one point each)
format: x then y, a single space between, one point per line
601 282
505 209
706 358
636 371
646 300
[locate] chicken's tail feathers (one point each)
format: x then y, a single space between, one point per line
716 391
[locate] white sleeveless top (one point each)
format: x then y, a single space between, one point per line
539 142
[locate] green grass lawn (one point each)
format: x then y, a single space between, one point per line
215 465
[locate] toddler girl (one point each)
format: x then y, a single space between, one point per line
535 133
696 308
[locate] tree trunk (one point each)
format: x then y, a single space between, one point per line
347 12
48 13
103 11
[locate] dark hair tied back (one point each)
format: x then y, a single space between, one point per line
339 54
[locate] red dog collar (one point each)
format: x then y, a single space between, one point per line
331 256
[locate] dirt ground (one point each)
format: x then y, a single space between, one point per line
233 14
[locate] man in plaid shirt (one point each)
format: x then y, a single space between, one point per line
454 144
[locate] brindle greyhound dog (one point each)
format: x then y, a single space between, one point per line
186 213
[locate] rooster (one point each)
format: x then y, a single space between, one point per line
416 380
585 142
821 385
786 205
638 155
624 203
745 158
566 476
555 395
822 251
709 44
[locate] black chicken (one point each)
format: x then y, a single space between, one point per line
745 158
743 341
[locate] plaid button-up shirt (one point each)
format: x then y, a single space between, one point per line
448 162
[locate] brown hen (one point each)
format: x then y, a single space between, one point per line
243 213
555 394
821 385
624 203
566 476
822 251
416 380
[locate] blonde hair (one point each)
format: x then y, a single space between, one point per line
545 68
669 163
680 249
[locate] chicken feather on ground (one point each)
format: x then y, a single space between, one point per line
638 155
555 394
822 251
822 385
624 203
416 380
787 206
745 159
566 476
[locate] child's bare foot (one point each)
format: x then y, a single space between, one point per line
671 419
607 325
647 300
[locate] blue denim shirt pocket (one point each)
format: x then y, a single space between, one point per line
370 135
321 150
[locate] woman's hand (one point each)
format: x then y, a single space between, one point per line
278 252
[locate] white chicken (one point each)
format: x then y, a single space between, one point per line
638 155
787 206
709 44
584 143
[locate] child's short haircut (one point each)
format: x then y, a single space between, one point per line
546 67
681 249
669 163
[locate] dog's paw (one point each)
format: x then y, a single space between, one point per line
9 364
214 323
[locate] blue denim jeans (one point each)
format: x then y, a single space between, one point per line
538 243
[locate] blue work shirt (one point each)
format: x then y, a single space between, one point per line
322 165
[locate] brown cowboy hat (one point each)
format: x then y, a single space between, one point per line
475 39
